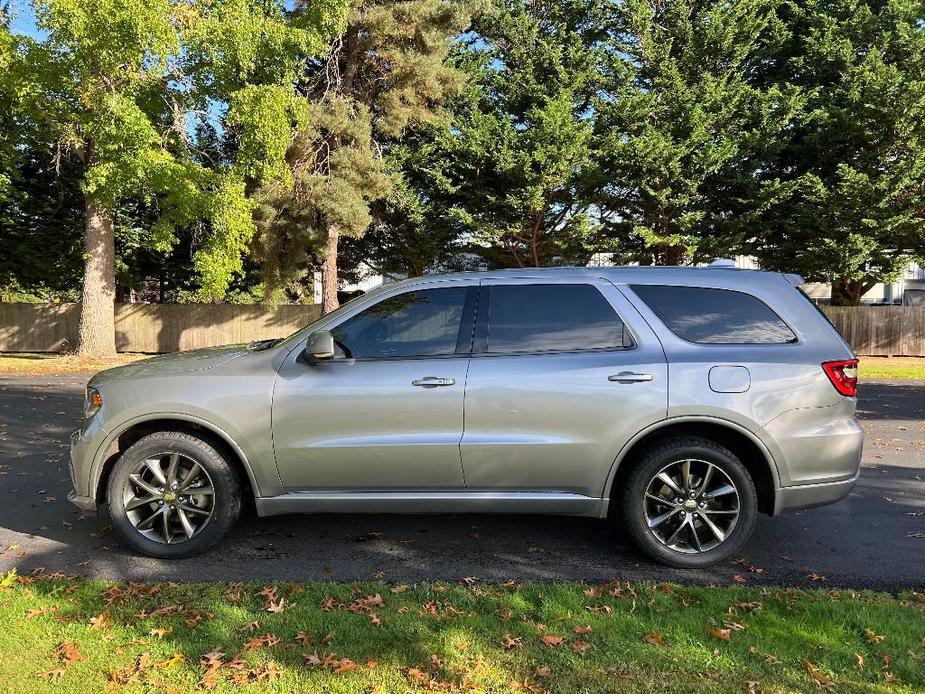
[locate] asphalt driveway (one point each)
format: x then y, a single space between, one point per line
873 539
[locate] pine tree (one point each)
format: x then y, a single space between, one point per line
849 201
682 122
387 71
516 163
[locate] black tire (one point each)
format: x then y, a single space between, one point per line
657 458
226 506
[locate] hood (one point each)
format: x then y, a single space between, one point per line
177 362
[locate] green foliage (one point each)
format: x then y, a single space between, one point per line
512 171
851 205
387 73
121 86
682 117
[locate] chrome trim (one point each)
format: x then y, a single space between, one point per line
558 503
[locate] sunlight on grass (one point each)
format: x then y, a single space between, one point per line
23 364
63 634
892 367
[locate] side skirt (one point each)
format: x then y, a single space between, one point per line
556 503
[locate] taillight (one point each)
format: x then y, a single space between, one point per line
843 375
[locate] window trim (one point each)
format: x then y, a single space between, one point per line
480 341
789 343
470 304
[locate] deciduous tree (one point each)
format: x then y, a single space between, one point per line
120 84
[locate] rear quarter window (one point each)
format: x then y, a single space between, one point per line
715 316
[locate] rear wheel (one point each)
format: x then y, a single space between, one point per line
689 503
173 495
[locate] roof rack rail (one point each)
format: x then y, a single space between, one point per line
728 263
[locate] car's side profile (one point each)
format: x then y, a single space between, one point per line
679 401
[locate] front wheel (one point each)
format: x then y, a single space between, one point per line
173 495
690 503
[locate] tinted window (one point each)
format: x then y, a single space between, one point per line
413 324
551 317
715 316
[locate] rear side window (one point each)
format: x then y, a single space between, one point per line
551 318
715 316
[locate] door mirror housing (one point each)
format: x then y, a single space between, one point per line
320 346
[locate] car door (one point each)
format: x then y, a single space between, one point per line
563 374
386 412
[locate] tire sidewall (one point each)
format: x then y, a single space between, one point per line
224 480
656 460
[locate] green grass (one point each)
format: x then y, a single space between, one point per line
892 367
28 364
332 637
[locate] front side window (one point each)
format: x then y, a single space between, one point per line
715 316
551 318
428 322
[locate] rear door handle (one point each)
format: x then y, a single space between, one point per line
630 377
433 382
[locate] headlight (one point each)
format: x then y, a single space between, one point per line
92 403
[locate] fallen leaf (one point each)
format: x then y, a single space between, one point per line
68 652
655 638
721 634
542 671
160 632
509 642
278 606
551 640
580 646
343 665
100 622
583 630
819 678
872 636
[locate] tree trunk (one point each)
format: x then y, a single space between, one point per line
847 292
96 336
329 271
674 255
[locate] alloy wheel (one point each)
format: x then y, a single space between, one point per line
169 498
691 506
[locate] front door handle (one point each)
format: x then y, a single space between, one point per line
630 377
433 382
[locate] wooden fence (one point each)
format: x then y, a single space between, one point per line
881 330
150 328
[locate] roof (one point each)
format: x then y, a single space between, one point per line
629 274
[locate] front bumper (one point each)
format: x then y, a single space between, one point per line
87 504
804 496
84 444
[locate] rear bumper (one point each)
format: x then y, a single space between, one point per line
809 495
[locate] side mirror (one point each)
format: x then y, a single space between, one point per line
320 346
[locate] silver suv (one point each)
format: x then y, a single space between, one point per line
680 402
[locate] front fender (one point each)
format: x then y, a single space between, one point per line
264 480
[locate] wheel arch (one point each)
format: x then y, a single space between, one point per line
121 438
744 444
